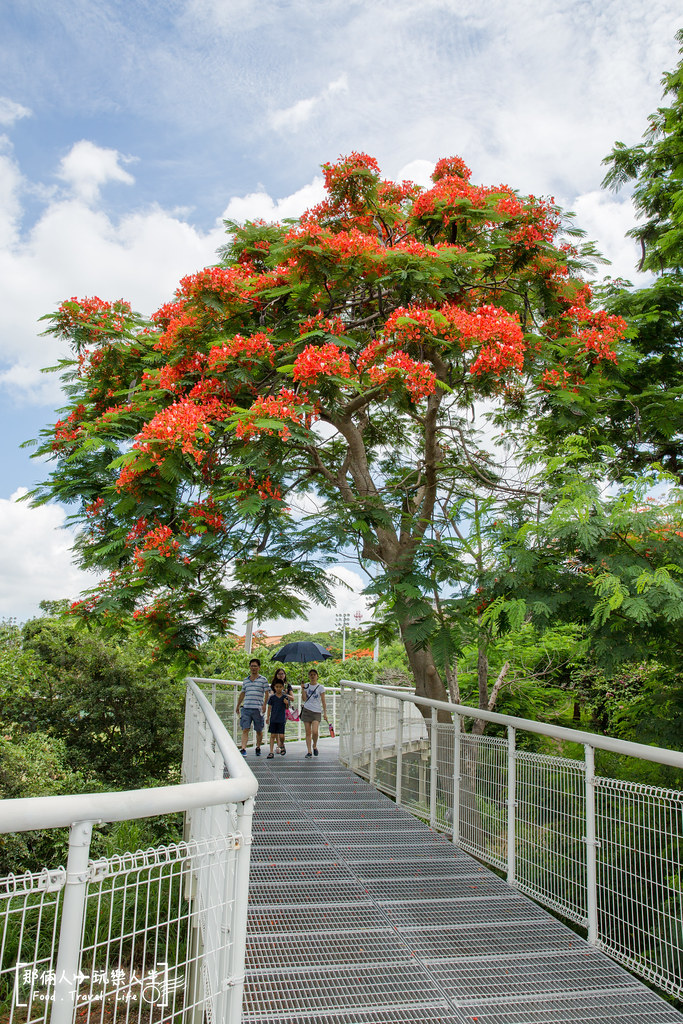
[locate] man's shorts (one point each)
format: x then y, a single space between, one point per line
249 715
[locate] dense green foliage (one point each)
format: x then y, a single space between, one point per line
644 421
81 711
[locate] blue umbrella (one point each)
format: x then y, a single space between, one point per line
301 651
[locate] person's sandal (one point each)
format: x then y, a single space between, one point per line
271 754
309 755
282 749
315 751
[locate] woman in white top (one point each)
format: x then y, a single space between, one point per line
313 709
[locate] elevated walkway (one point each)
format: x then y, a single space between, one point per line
361 914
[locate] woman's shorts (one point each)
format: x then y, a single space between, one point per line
310 716
276 727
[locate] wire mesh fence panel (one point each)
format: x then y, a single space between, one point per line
550 832
415 757
483 797
29 913
385 764
154 942
640 879
223 696
445 758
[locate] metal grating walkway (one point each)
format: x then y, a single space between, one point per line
360 914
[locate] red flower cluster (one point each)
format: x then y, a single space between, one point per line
265 488
227 283
138 530
321 361
129 476
185 424
451 167
553 379
158 613
418 324
394 193
497 331
169 311
539 220
450 193
161 538
94 508
364 251
70 428
372 353
347 167
169 375
168 339
419 378
596 332
95 314
330 325
245 351
204 515
285 406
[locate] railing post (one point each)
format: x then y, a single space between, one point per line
71 929
334 711
343 739
239 911
456 778
399 752
591 848
373 739
512 804
354 729
298 706
432 769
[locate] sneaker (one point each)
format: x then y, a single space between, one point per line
271 754
243 752
258 751
309 755
315 751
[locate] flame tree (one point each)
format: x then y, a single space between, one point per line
318 391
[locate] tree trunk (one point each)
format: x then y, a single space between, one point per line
427 680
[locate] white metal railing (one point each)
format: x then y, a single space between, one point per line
602 852
223 694
157 934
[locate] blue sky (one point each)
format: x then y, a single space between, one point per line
128 130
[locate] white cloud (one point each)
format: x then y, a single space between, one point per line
10 203
257 205
74 249
607 219
35 558
294 117
11 111
417 171
87 167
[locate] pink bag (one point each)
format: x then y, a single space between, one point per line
292 715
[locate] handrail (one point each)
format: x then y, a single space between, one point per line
660 755
209 878
24 815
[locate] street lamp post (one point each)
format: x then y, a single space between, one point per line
342 619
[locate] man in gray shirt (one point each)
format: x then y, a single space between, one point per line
250 701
